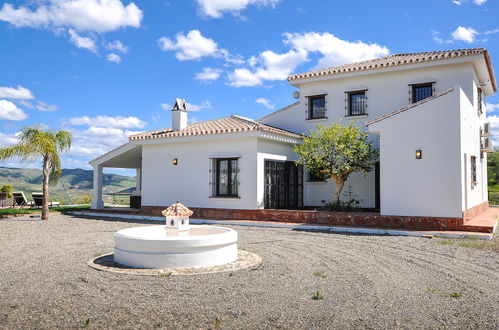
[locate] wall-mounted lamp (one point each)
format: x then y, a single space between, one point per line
419 154
175 161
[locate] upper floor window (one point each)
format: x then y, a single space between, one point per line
480 100
421 91
356 103
226 173
317 107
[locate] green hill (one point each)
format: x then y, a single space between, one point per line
74 186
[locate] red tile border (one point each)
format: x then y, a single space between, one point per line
353 219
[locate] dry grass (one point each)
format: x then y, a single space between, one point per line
472 242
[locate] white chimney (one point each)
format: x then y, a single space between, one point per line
179 115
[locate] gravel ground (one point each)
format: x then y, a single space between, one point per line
365 282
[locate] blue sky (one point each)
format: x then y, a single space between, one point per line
105 68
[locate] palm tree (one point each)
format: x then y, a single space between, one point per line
34 142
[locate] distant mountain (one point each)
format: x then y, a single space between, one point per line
72 185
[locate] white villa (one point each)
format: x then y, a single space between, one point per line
425 110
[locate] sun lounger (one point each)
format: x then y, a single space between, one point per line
38 199
20 200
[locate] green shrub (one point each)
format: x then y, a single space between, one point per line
7 189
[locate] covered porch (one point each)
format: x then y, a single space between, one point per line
127 156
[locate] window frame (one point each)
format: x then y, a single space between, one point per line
230 193
480 100
349 95
412 89
310 110
473 171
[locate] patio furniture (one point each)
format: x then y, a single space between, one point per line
20 199
38 199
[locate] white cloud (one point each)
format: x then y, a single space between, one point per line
108 122
458 2
95 141
217 8
266 103
492 107
115 58
7 139
40 106
81 15
117 46
438 39
190 107
494 125
479 2
208 74
191 46
82 42
9 111
269 66
18 92
334 50
494 31
465 34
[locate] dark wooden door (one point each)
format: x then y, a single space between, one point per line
283 185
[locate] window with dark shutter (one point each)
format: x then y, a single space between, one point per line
357 103
317 107
226 177
421 91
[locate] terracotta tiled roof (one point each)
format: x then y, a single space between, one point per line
410 106
393 60
232 124
177 209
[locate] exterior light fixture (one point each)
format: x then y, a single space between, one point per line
419 154
175 161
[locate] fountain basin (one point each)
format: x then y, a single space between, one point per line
159 247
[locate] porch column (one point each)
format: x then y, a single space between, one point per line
97 202
138 178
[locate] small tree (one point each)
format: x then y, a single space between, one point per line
34 142
337 151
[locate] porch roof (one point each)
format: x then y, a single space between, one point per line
127 155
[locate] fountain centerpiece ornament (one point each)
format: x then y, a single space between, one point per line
176 244
177 217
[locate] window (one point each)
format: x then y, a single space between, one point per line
317 107
316 177
226 177
480 100
473 170
356 103
421 91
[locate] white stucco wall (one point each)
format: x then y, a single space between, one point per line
430 186
471 122
189 182
386 92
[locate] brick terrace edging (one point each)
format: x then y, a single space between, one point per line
353 219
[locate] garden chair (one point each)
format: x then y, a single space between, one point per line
38 200
20 199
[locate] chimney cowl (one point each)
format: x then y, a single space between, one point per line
179 115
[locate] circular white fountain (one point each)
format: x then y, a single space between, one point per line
176 244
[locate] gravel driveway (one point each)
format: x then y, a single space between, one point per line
364 281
